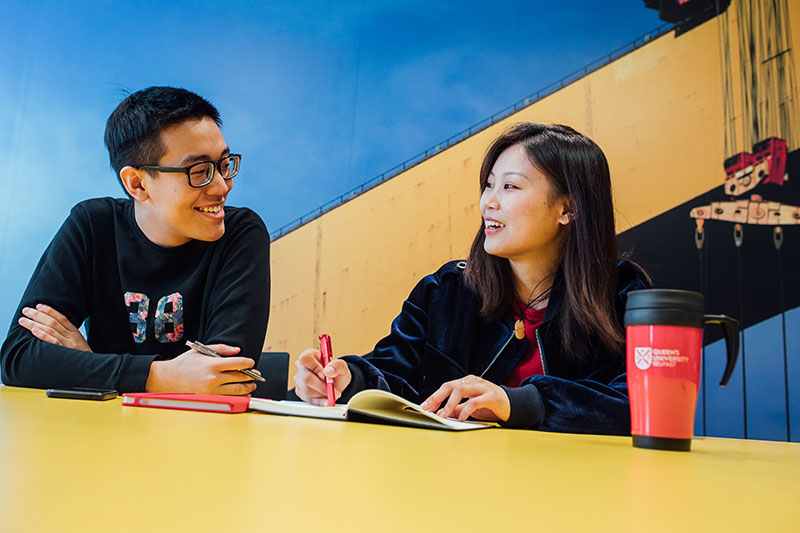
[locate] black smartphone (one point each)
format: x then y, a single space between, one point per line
81 393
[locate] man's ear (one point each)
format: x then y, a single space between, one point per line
566 212
133 181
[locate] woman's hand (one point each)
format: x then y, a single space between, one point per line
49 325
485 400
309 381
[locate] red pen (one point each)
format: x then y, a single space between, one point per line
327 355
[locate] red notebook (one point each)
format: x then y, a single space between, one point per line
191 402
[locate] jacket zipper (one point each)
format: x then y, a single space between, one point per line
497 354
538 343
541 351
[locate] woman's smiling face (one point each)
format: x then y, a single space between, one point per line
523 218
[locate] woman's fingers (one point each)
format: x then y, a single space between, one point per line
484 399
433 401
308 384
311 360
451 391
477 407
310 378
461 390
340 373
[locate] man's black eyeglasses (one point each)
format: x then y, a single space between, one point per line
201 173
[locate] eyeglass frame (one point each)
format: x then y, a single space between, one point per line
215 165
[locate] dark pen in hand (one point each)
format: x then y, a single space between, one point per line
205 350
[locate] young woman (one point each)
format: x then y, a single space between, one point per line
528 331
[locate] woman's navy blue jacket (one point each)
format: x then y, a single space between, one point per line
440 336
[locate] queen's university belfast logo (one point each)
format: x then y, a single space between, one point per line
643 357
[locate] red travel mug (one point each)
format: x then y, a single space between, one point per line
664 342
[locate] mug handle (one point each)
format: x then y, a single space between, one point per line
730 327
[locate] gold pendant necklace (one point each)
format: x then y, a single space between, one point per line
519 325
519 329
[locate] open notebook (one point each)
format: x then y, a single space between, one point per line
372 405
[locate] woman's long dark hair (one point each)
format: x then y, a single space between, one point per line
576 167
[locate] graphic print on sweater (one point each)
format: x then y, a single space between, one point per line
168 320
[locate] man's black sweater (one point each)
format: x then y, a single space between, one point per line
140 301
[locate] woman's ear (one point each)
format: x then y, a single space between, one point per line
566 212
133 181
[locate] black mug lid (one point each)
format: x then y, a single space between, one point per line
665 299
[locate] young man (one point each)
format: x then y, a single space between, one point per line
169 264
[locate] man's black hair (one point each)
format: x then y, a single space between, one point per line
133 131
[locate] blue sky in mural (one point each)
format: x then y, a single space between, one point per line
318 96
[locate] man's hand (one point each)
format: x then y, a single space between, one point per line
194 372
309 381
485 400
49 325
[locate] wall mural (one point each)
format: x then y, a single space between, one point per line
739 243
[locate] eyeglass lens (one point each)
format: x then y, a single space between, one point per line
202 173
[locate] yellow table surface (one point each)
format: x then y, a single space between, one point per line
77 465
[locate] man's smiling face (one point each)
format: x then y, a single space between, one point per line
172 212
